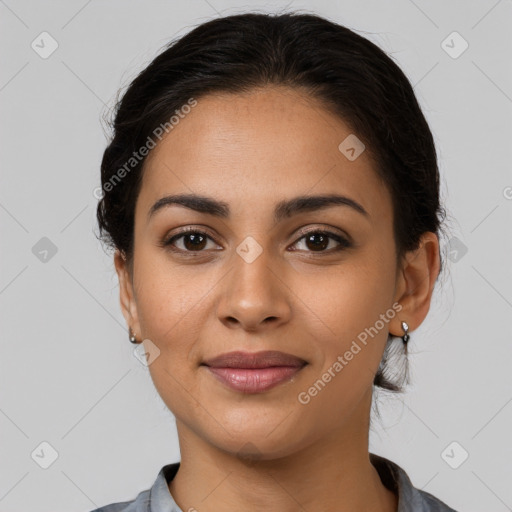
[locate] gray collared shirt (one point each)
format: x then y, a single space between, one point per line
410 499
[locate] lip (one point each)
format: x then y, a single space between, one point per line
254 372
263 359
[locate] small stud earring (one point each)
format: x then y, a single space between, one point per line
132 337
405 337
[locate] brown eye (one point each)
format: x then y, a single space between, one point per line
318 241
192 241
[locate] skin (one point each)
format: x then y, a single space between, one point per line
251 151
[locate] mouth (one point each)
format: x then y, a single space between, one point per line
248 372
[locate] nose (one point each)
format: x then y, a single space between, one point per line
254 296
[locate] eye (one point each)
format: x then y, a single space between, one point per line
318 240
194 240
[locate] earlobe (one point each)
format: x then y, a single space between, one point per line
417 278
126 295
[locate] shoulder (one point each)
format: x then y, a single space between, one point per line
410 499
139 504
155 498
432 504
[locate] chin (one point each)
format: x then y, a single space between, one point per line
257 444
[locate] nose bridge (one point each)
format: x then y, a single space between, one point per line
252 292
252 268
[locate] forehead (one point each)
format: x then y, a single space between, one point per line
255 148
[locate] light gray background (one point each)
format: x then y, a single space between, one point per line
67 373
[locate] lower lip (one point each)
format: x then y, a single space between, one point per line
254 380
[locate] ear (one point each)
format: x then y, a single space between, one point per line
415 284
126 293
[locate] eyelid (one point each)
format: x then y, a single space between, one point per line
325 228
343 240
202 230
195 228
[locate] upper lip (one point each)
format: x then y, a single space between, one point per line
264 359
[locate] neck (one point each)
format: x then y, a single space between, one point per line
333 474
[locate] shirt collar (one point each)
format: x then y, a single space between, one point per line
392 475
410 499
160 499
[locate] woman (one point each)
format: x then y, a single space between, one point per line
271 192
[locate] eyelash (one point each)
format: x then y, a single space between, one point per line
344 243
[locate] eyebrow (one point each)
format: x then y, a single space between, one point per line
283 209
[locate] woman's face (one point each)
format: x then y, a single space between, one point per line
256 282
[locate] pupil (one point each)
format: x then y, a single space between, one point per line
322 245
195 238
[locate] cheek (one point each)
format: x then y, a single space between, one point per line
347 313
171 304
171 313
349 296
349 347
